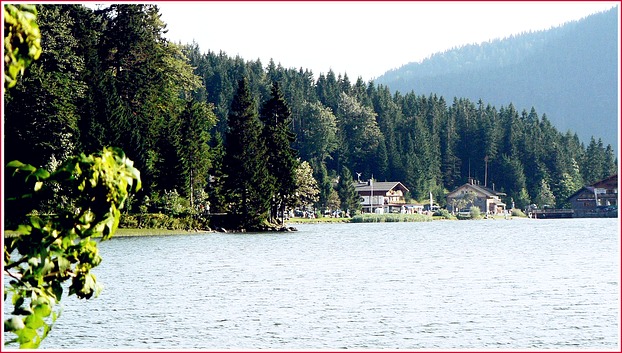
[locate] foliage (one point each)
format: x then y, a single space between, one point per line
41 117
465 200
423 141
22 40
186 160
360 134
517 212
545 196
248 182
318 134
215 187
281 157
185 221
347 193
443 213
49 250
390 217
475 212
306 186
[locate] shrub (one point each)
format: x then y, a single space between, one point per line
517 212
475 212
443 213
390 217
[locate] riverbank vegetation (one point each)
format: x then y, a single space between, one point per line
390 217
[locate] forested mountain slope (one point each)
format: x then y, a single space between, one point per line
569 72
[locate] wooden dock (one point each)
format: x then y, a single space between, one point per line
551 213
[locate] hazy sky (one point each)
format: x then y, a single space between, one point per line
359 38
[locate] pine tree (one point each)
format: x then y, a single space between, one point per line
324 184
193 149
545 196
610 165
360 134
282 159
347 193
216 187
248 182
594 163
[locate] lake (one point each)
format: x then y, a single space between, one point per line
490 284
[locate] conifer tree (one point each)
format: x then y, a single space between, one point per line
324 185
248 182
347 193
545 196
282 159
193 149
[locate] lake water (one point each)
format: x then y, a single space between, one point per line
502 284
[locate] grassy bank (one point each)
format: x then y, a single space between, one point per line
130 232
390 217
297 220
135 232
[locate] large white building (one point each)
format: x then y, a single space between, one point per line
381 196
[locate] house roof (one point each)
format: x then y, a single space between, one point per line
380 186
481 189
589 189
607 181
597 184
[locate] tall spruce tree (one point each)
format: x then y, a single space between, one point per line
347 193
216 180
248 182
324 184
282 159
193 148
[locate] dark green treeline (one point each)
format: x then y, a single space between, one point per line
109 77
427 143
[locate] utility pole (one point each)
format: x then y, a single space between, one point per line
371 197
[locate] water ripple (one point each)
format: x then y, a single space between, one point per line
439 285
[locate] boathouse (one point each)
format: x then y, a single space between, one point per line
597 200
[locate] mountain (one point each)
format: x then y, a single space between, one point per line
570 73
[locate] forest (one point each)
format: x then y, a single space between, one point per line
570 72
207 130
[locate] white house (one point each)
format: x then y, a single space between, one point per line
381 196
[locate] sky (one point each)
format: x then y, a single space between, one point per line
362 39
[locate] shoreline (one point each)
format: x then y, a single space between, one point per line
140 232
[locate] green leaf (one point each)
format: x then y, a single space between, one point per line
21 166
41 174
43 310
34 321
15 164
24 229
27 338
36 222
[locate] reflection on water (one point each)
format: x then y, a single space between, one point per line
519 284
